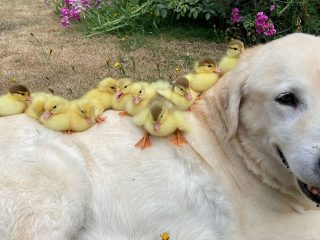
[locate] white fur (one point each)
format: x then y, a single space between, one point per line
227 183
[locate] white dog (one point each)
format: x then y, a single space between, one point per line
251 169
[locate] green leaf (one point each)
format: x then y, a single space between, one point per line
208 16
163 13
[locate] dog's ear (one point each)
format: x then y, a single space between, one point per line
225 98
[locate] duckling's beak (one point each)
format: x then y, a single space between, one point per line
188 96
156 126
46 115
217 70
136 100
89 120
118 94
29 99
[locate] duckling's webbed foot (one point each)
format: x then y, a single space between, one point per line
178 138
122 114
144 142
101 119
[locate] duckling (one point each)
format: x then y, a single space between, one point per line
206 75
234 50
160 85
15 101
35 107
81 115
122 95
161 120
181 95
56 114
141 95
104 92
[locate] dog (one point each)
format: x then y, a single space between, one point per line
250 170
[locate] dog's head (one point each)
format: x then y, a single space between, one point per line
271 104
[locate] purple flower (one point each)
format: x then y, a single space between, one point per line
86 3
235 15
264 25
65 23
64 11
272 7
67 2
75 14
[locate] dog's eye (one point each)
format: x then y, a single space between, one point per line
288 99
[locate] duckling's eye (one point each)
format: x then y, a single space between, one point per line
54 107
82 111
126 86
161 116
112 87
209 65
140 91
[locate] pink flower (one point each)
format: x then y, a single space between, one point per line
264 25
272 7
64 11
235 15
75 14
65 23
67 2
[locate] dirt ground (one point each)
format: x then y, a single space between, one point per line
68 63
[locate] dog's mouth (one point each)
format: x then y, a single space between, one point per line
312 192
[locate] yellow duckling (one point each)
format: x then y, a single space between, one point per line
161 120
35 108
141 95
181 95
206 75
15 101
81 115
104 92
56 114
122 95
234 50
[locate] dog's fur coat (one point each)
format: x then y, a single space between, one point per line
227 183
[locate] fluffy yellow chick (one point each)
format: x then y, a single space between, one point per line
181 95
104 92
15 101
141 95
122 95
234 50
161 120
81 115
35 107
56 114
206 75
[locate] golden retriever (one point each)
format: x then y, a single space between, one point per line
251 169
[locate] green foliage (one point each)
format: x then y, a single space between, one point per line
207 19
196 9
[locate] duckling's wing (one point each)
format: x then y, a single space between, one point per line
181 120
141 117
165 93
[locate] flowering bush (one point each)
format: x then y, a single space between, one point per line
72 10
253 22
261 21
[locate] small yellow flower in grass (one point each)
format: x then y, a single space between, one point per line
117 65
178 70
123 39
114 14
165 236
13 79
